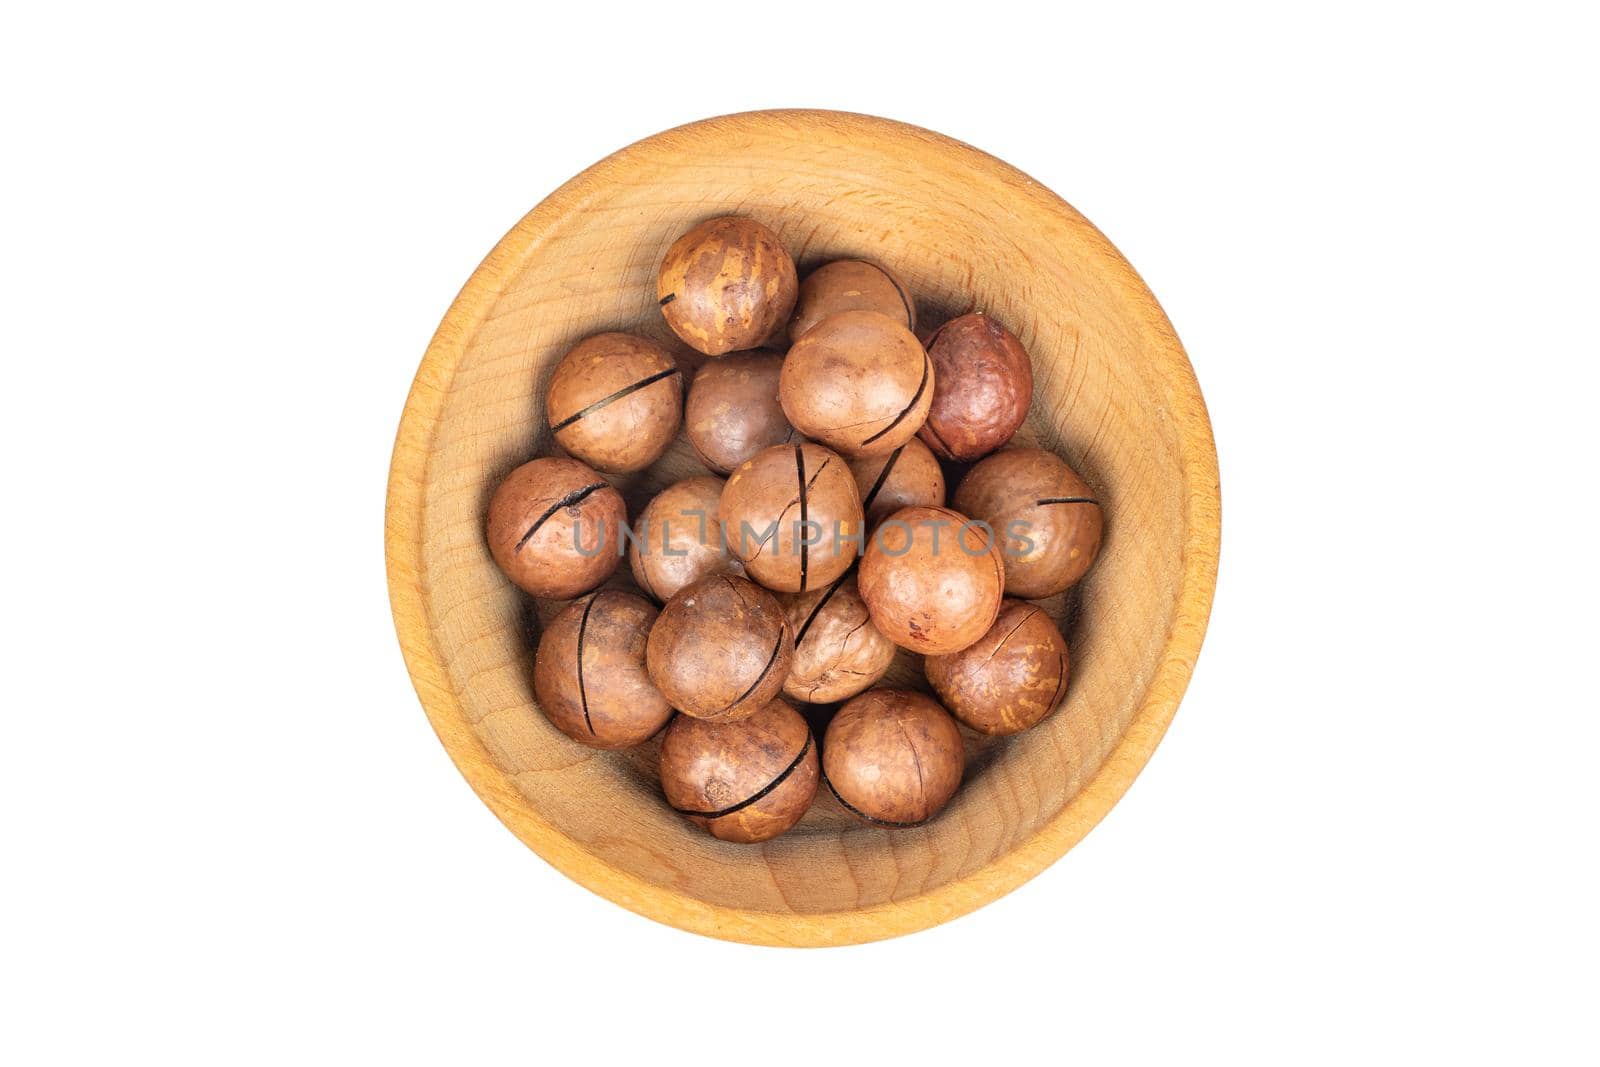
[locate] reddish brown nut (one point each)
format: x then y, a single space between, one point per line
837 650
859 382
744 781
733 410
932 579
615 401
1045 516
554 527
677 538
1011 678
983 384
908 476
589 671
893 757
720 649
727 285
791 516
851 285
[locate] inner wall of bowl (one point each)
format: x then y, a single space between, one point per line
1096 403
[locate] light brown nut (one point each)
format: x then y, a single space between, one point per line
589 672
615 401
859 382
733 410
1008 680
851 285
792 517
727 285
1045 516
554 527
893 757
837 651
720 649
906 477
932 579
677 538
744 781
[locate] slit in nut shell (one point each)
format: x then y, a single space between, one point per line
720 649
745 781
727 285
1010 678
858 382
589 673
893 757
615 402
554 526
837 651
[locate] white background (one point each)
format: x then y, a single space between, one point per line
229 834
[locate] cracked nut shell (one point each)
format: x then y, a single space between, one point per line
540 517
677 538
733 410
837 651
859 382
720 649
744 781
851 285
932 580
1046 517
906 477
893 756
783 488
589 675
727 285
1011 678
615 401
983 385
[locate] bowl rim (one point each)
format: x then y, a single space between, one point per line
403 556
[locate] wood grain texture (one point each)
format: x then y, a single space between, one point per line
1114 396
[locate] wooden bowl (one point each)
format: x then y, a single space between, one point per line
1114 395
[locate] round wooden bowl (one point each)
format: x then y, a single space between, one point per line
1114 395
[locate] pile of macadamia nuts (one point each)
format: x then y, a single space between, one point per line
828 547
